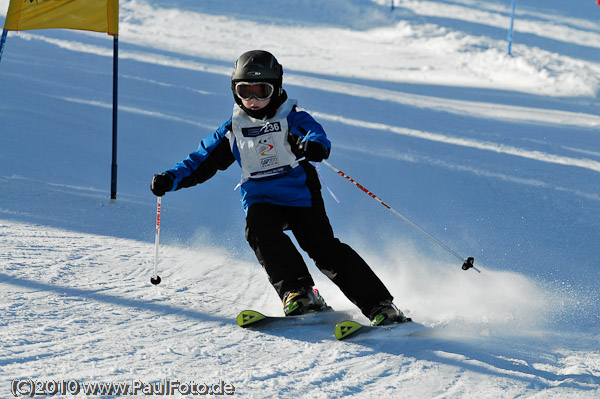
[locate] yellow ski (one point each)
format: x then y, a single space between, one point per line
252 318
348 328
249 317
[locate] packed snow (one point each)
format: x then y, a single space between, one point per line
496 156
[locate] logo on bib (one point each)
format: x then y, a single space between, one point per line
267 155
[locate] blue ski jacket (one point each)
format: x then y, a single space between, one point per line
299 186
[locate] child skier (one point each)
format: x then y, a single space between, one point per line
274 142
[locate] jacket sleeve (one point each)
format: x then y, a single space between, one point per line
302 126
213 154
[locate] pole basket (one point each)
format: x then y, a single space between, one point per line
469 263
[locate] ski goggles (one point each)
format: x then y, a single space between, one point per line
259 90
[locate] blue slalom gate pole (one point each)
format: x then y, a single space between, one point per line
510 30
2 41
113 171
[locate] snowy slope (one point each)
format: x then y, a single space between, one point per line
496 156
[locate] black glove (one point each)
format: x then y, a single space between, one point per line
313 151
161 183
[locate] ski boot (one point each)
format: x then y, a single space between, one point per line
305 300
387 313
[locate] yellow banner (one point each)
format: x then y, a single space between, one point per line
94 15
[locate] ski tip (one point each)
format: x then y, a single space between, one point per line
249 317
346 328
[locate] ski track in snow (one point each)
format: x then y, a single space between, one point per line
459 107
445 122
505 112
90 320
477 144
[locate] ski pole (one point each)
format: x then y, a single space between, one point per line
467 263
155 279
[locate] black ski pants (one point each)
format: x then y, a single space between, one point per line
287 271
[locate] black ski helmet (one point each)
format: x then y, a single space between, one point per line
259 66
